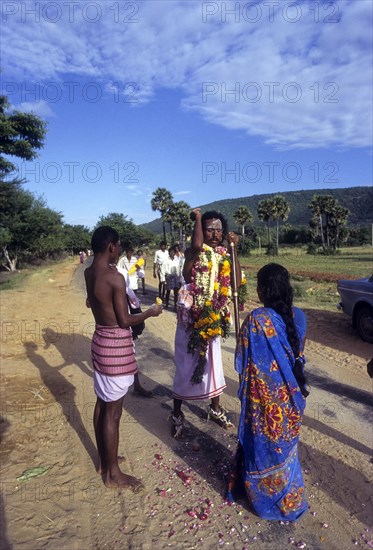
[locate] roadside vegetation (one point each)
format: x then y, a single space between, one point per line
314 277
17 280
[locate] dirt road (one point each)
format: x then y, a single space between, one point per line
47 402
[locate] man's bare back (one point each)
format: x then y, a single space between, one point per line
106 295
102 284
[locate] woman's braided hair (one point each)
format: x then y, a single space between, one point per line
275 291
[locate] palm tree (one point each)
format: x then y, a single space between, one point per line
180 213
317 207
322 207
265 213
242 215
280 211
338 218
168 218
161 201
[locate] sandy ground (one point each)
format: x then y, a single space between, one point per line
47 403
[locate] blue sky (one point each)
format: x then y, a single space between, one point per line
211 100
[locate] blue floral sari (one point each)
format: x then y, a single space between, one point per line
272 406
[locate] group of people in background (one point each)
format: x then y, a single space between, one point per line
168 268
269 358
133 265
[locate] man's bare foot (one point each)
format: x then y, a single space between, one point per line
101 470
123 481
139 390
177 430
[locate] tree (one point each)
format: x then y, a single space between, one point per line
29 230
327 220
265 213
21 135
127 230
321 206
77 237
241 216
118 222
45 232
161 202
168 217
337 220
360 236
280 211
180 214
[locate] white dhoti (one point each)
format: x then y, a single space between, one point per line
112 388
213 382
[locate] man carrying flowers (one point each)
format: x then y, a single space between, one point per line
203 318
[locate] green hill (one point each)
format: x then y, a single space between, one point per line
358 200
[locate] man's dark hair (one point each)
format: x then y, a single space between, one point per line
127 245
275 291
103 236
213 214
163 243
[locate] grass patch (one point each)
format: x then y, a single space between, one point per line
314 278
41 273
12 281
351 263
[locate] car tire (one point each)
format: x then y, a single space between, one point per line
364 323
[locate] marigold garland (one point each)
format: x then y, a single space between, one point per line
210 285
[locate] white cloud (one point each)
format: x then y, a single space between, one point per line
134 190
181 193
40 108
324 66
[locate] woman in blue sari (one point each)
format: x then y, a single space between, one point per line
270 363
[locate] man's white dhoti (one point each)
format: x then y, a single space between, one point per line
112 388
213 382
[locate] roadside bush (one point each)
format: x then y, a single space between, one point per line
272 250
298 291
244 247
312 248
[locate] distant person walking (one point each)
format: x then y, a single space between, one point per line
172 272
160 256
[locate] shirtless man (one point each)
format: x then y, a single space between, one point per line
112 351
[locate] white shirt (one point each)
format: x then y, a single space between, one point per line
131 296
171 267
126 264
160 256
